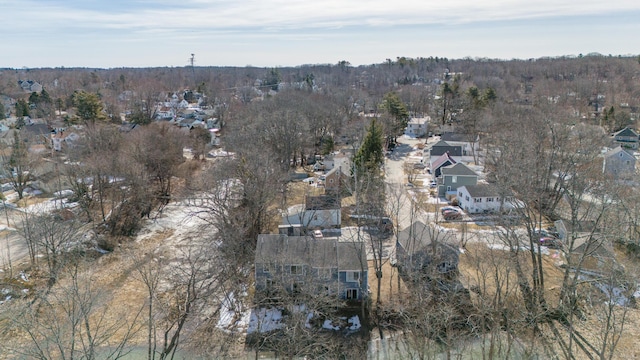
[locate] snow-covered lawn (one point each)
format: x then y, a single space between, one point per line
264 320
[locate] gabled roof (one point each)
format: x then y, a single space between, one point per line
441 161
36 129
418 237
626 132
322 202
619 151
306 250
481 190
459 137
441 143
458 169
303 250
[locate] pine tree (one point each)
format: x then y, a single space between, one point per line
398 111
369 156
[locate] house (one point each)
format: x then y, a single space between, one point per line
442 147
565 228
417 127
483 198
304 264
454 176
584 244
422 250
619 164
333 180
30 86
165 113
438 163
341 159
626 138
61 139
321 211
36 133
468 143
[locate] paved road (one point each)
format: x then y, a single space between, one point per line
398 198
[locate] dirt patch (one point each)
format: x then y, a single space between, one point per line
390 283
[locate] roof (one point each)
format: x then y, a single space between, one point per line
306 250
619 150
322 202
626 132
481 190
36 129
458 169
441 143
418 237
418 120
442 147
451 136
442 160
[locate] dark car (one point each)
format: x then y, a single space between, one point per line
452 215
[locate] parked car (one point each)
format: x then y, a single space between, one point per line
449 208
409 185
452 215
551 242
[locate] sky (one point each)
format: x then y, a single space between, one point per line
268 33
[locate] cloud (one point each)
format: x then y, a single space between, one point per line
141 15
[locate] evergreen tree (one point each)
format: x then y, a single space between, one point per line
369 157
398 111
22 108
3 111
88 105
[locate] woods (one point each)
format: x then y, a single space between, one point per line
159 201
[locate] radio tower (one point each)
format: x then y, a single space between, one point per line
192 61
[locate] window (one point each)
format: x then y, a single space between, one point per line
353 276
489 199
352 294
460 194
454 179
466 198
269 284
296 269
448 188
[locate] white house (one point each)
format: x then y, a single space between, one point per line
417 127
482 198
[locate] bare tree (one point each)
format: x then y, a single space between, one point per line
73 321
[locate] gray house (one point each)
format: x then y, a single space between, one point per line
443 147
454 176
626 138
468 143
619 164
422 250
303 264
